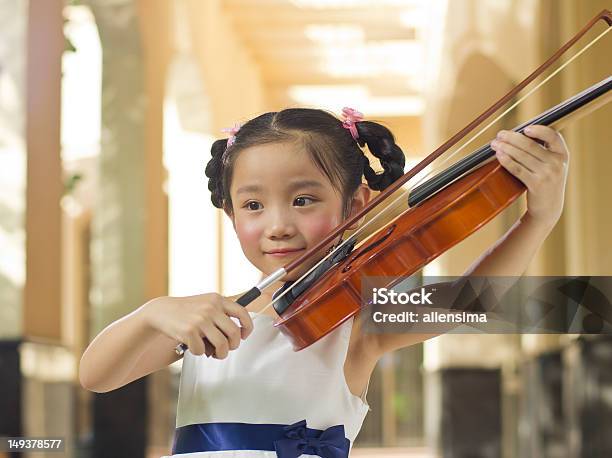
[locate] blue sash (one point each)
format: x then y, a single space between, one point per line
288 441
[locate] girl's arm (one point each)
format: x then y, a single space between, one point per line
144 341
543 170
109 360
511 254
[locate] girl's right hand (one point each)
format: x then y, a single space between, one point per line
202 322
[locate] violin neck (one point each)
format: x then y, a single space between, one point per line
561 111
554 116
583 111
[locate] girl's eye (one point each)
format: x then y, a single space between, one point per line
301 201
252 205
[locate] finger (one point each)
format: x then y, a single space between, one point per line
238 311
229 328
217 339
515 168
194 343
523 142
553 141
522 157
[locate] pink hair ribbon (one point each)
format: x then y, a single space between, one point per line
232 131
351 116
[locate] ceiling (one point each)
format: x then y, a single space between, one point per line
324 52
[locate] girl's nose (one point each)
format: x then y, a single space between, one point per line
280 227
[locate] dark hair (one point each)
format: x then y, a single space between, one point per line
329 144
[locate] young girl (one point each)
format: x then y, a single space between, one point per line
286 179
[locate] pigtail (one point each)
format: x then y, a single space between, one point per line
214 172
381 143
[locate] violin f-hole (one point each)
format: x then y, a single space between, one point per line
390 230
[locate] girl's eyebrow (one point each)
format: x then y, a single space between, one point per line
298 184
293 186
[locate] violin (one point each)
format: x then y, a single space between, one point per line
442 212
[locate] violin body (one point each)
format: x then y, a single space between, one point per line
400 249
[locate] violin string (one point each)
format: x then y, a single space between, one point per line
403 195
520 100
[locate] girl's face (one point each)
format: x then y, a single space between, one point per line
283 205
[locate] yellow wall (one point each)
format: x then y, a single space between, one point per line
488 48
231 77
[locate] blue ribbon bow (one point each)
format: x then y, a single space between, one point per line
331 443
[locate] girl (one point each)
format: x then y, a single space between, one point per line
286 179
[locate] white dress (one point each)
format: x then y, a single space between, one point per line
235 404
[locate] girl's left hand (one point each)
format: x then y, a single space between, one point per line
542 168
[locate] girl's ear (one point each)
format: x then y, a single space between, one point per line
230 215
360 199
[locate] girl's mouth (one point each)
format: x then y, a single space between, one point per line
284 252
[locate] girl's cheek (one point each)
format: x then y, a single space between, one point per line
249 233
318 227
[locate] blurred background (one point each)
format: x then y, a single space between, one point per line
108 109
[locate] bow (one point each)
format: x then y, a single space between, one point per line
331 443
